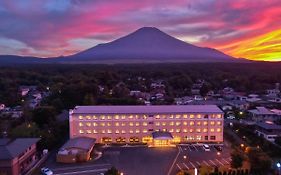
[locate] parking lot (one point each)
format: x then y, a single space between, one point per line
144 160
194 156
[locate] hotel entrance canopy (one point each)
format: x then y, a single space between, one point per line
161 135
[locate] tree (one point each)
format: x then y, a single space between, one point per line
44 115
112 171
236 160
25 130
278 140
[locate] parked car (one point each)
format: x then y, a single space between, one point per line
206 147
218 148
46 171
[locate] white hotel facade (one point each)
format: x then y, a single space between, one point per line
155 125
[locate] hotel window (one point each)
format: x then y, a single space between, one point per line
218 130
131 131
205 130
191 123
171 123
157 116
178 130
206 116
88 124
95 124
178 116
171 116
137 117
198 137
88 117
116 124
191 116
80 117
95 131
95 117
199 116
213 137
219 123
123 117
144 123
198 123
198 130
178 123
131 117
108 124
144 116
109 131
137 131
144 131
89 131
157 123
206 137
184 115
205 123
123 131
185 123
212 123
190 130
102 117
212 130
116 117
109 117
102 124
163 123
171 130
103 131
185 130
131 124
80 124
123 124
81 131
137 124
164 116
164 130
219 116
117 131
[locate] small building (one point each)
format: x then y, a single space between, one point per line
269 131
262 114
17 156
76 150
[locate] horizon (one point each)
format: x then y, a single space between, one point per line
241 29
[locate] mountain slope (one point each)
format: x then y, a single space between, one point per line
149 44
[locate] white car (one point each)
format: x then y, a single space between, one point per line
206 147
46 171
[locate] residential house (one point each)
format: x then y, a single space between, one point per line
269 131
17 156
262 114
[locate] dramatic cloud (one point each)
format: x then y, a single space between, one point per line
49 28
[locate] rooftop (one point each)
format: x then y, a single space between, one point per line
10 148
269 126
147 109
85 143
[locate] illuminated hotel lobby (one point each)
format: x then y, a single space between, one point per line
154 125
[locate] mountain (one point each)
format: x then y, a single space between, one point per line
149 44
145 45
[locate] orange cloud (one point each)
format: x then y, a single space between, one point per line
266 47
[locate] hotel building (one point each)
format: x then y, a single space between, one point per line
155 125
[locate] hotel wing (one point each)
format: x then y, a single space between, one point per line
153 125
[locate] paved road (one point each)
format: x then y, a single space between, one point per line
85 170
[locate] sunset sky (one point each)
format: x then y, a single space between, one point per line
46 28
